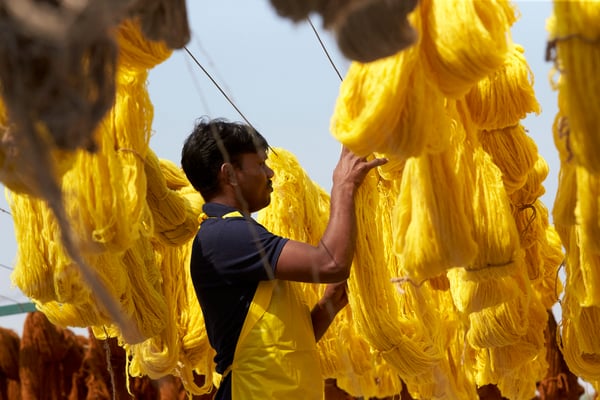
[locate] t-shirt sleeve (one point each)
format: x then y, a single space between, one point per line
245 250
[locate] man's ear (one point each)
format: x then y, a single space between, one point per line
228 174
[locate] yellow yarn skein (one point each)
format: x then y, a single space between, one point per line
462 50
584 362
428 211
513 152
404 342
533 188
574 30
175 221
503 98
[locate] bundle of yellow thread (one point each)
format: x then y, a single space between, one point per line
405 342
366 112
175 221
533 188
110 218
493 226
399 117
582 269
429 209
587 211
548 286
196 354
505 365
462 50
576 214
580 346
574 30
513 152
472 293
506 96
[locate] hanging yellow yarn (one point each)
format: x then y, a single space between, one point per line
513 152
157 356
533 226
468 46
450 378
531 221
131 276
575 31
401 336
576 214
105 200
533 188
521 366
196 354
499 325
583 269
579 346
367 113
389 107
516 368
105 191
563 211
587 211
428 211
486 202
458 353
136 51
549 287
175 220
471 293
494 228
299 208
503 98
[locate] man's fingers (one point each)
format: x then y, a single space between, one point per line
376 162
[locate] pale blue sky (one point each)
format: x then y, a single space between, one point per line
279 77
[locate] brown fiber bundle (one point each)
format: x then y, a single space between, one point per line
98 380
163 20
10 387
57 70
57 82
9 354
48 357
366 30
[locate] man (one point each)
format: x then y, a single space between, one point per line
263 334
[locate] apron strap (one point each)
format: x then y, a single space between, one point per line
260 302
259 305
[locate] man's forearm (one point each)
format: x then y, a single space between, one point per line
339 237
322 316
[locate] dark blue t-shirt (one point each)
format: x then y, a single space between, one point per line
229 257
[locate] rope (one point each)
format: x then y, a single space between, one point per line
6 267
325 50
217 85
109 368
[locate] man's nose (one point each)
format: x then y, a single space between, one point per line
270 172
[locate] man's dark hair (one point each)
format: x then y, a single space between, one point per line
213 142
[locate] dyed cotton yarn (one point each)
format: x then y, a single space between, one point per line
574 31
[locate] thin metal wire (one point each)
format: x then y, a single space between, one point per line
5 211
6 267
217 85
325 50
10 299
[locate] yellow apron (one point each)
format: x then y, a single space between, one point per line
276 355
